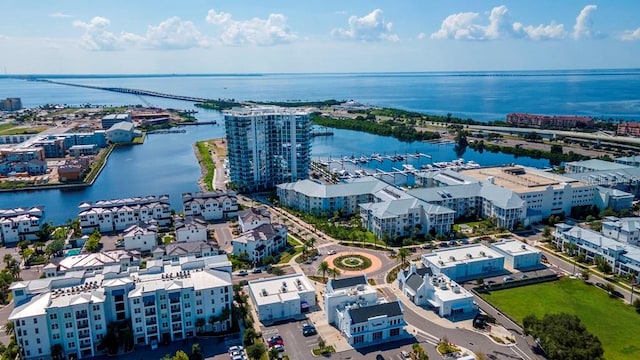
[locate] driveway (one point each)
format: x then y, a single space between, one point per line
223 236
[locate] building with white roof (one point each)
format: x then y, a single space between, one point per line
633 161
176 250
122 132
624 258
267 146
282 297
118 214
259 238
439 292
518 255
20 224
112 119
626 230
141 236
122 259
592 165
215 205
72 311
190 229
626 179
544 193
466 262
354 307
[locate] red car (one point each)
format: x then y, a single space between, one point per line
275 340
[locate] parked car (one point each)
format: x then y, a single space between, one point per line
256 271
379 357
617 294
154 344
236 348
507 278
405 355
308 329
331 252
275 340
243 273
279 347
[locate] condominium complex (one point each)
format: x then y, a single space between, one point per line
624 257
73 311
112 119
282 297
267 146
10 104
465 262
549 121
216 205
628 128
119 214
20 224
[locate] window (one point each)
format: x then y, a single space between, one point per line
35 320
99 327
38 341
26 343
71 345
162 297
37 331
186 296
53 316
67 315
199 311
68 325
69 335
97 317
54 326
137 311
163 306
55 336
198 302
96 307
138 320
136 301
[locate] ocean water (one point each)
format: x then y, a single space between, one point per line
166 164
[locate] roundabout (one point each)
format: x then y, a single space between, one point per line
354 262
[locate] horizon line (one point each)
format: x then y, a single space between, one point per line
249 74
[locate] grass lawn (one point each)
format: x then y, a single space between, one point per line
612 321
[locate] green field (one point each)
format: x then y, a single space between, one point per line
613 322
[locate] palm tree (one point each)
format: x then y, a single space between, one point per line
334 272
403 254
324 268
8 327
7 259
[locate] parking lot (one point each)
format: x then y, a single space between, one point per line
296 345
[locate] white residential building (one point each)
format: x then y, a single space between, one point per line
121 259
372 324
347 291
20 224
591 165
626 230
176 250
141 236
518 255
117 215
439 292
215 205
112 119
282 297
545 193
72 311
259 238
465 262
190 229
624 258
267 146
353 306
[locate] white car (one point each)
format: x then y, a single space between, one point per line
279 347
236 348
331 252
154 344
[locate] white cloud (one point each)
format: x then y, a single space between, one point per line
631 35
59 15
262 32
583 29
95 36
172 33
465 26
370 27
422 36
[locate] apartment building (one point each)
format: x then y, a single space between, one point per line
624 258
112 260
17 160
216 205
118 214
72 312
259 237
121 132
177 250
142 236
626 230
549 121
112 119
267 146
20 224
190 229
628 129
10 104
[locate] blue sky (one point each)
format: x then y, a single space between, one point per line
235 36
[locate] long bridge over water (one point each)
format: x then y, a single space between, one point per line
130 91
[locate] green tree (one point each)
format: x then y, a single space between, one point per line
54 247
562 336
324 268
23 245
27 254
546 233
196 353
334 272
273 354
180 355
8 328
403 255
256 351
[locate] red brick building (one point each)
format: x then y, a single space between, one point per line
549 121
629 128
